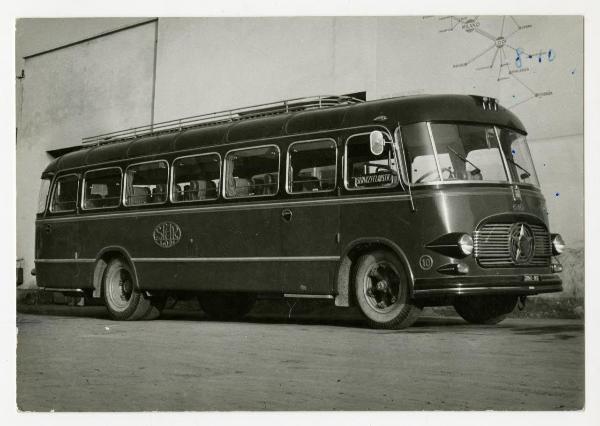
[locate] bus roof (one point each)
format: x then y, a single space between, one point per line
390 112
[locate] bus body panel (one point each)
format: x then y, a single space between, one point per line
312 234
58 254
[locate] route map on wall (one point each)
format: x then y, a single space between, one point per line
503 56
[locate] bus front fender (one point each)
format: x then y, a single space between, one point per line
349 255
102 259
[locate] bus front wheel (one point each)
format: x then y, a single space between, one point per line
226 306
123 301
382 291
484 309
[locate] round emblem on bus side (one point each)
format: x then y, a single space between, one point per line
166 234
425 262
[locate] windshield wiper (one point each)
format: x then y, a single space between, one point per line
525 173
475 171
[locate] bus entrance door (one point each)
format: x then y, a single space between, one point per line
310 248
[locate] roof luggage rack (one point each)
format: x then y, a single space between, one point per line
214 118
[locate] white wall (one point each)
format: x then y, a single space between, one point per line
558 162
207 64
75 92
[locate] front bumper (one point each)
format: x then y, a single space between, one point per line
525 284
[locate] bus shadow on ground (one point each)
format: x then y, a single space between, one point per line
330 316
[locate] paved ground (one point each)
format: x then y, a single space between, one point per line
76 359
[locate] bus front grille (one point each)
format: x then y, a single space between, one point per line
493 246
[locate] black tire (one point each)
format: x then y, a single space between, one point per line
382 291
157 304
121 297
485 309
226 306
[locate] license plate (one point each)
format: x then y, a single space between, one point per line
531 278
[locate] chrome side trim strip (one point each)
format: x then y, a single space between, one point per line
308 296
232 207
64 260
68 290
527 289
236 259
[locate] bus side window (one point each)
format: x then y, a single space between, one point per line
64 197
364 170
102 188
146 183
196 177
312 166
252 172
43 195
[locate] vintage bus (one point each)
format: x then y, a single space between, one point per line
389 205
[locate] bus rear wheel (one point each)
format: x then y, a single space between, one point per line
226 306
123 301
484 309
382 291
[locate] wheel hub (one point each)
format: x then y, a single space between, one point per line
125 287
382 287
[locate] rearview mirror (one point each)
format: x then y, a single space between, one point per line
377 142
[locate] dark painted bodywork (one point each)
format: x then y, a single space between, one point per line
327 226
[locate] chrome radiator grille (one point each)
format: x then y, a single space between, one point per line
493 246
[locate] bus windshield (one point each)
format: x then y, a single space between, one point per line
448 152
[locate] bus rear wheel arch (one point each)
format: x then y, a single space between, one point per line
124 301
382 291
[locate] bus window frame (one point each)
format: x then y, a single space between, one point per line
171 178
50 208
345 167
82 203
288 165
509 181
48 196
224 176
124 191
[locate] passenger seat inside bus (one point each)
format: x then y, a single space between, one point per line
140 195
242 187
159 193
93 201
265 184
201 189
306 184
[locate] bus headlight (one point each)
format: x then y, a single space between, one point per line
465 243
558 244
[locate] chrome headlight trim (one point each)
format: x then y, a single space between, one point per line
465 243
558 244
